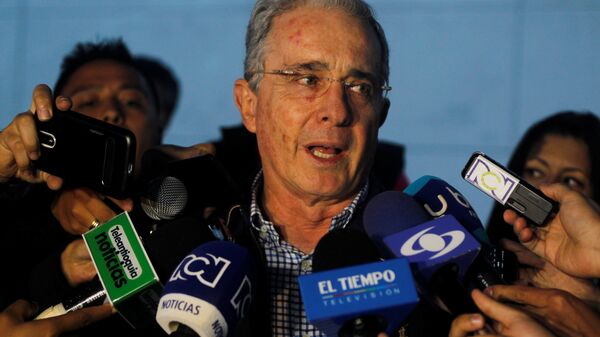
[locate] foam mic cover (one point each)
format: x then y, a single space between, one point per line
399 223
440 198
340 248
210 291
172 241
351 292
390 212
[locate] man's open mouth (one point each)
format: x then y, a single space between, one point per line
324 152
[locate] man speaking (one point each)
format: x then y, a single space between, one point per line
314 92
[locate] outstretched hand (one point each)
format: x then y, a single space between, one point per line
14 320
569 240
19 144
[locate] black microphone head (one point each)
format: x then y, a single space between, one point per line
164 198
172 241
343 248
391 212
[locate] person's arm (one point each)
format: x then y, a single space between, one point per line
19 144
508 321
467 325
13 320
54 277
534 270
561 311
78 209
570 240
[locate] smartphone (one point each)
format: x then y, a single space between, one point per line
87 152
509 189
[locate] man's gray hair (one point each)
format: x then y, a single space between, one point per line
266 10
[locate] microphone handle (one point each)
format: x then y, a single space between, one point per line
447 286
363 326
184 331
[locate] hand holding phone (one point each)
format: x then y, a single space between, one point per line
87 152
509 189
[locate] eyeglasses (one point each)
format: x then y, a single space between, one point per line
314 83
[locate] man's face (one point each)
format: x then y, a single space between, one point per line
317 147
115 93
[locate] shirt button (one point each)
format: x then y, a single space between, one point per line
264 232
306 266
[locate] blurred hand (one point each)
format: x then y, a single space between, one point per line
508 321
76 263
181 152
542 274
13 320
19 144
570 240
564 313
76 209
468 325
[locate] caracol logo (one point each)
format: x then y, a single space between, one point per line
492 180
242 298
207 268
430 242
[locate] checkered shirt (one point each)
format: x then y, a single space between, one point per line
285 263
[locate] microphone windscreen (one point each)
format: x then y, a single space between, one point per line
439 198
343 248
164 198
210 291
390 212
172 241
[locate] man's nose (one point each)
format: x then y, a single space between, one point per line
337 109
112 113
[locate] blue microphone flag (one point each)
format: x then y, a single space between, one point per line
333 297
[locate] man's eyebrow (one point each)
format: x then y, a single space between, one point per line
364 74
96 87
85 87
308 66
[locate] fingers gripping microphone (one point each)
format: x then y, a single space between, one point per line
351 292
209 292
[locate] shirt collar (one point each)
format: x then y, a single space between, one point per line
339 221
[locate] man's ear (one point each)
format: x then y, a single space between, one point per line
384 111
245 100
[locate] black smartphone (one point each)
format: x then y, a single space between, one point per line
509 189
87 152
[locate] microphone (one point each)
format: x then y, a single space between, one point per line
440 198
440 251
170 192
165 247
209 292
186 187
351 292
400 223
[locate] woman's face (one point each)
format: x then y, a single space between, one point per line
560 159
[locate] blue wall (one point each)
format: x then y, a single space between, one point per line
467 75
